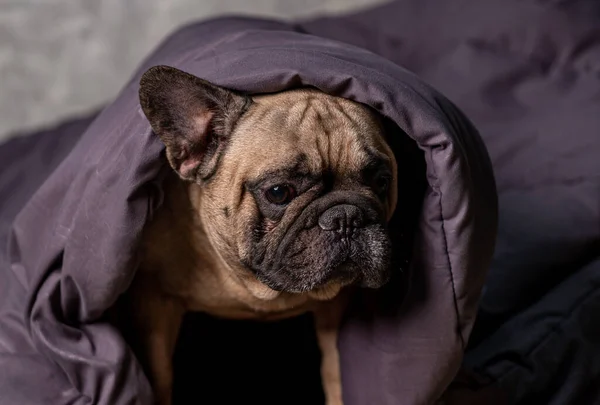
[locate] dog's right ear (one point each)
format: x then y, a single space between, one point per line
193 118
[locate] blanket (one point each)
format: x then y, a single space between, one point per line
527 73
72 246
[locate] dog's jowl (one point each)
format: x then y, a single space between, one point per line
277 205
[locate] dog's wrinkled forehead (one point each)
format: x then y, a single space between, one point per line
326 133
202 125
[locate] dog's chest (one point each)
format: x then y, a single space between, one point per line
226 297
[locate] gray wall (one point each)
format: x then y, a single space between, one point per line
64 57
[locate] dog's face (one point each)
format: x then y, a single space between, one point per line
293 189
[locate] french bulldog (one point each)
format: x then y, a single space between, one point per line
277 205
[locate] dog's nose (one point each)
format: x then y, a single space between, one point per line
343 218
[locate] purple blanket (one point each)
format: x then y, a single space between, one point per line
73 202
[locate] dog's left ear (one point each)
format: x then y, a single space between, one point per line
192 117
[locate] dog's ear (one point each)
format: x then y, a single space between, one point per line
192 117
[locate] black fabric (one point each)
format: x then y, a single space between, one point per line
268 363
548 353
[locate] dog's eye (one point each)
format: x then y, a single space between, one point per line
280 194
381 184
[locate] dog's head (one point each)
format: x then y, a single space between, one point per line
293 189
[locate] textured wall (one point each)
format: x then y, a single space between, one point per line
63 57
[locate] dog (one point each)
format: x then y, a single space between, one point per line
277 205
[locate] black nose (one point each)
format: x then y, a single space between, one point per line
343 218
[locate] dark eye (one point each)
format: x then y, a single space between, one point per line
280 194
381 183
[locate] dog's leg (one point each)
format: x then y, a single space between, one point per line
157 319
327 322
